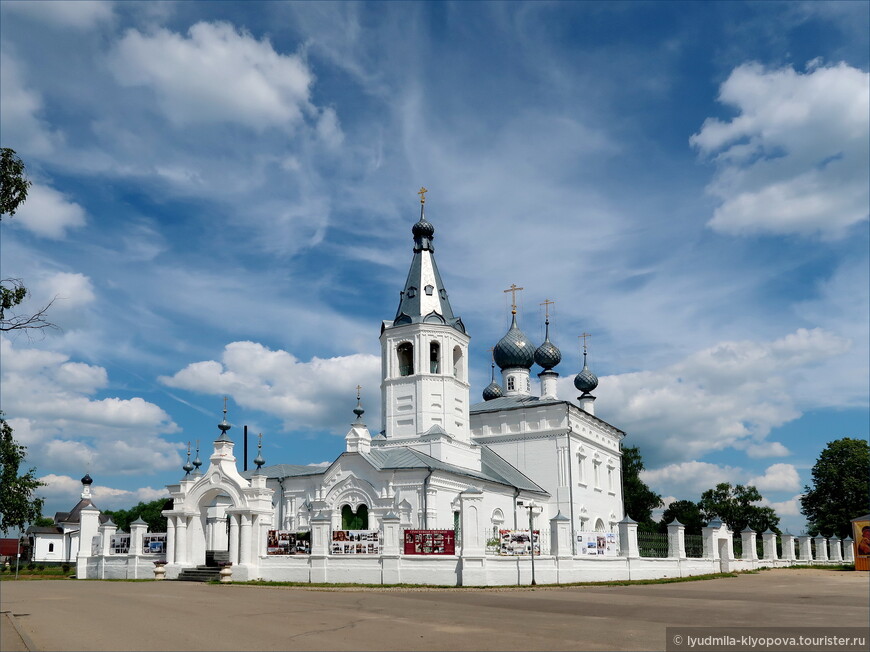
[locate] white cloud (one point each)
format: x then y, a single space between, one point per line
767 449
49 213
777 477
63 488
215 74
71 290
314 394
82 14
20 106
795 159
688 479
728 395
785 508
50 403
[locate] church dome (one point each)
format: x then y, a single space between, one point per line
585 381
87 480
514 349
423 229
491 391
548 354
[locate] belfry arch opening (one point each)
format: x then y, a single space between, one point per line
457 363
434 358
358 520
405 354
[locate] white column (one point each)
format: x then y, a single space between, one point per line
835 548
806 551
170 539
848 550
181 539
234 539
471 505
711 549
107 530
788 546
628 538
821 548
245 539
748 537
768 540
560 536
676 540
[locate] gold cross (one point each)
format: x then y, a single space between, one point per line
547 303
358 388
225 405
422 192
583 337
513 289
492 353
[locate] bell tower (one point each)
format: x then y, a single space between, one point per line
424 363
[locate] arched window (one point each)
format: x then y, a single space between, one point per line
51 547
434 357
457 362
358 521
497 522
405 352
599 525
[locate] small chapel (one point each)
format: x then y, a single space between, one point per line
512 449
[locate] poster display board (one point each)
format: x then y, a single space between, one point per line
861 536
430 542
120 544
356 542
518 542
154 543
284 542
96 546
602 544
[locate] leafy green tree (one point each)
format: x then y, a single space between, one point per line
18 505
14 185
43 521
687 513
841 488
735 506
638 499
150 513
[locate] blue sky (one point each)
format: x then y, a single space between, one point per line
223 196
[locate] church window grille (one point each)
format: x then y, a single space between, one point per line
434 357
405 352
510 383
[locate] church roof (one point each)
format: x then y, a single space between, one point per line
75 516
285 471
493 468
520 401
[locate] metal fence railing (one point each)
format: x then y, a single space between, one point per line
652 544
694 545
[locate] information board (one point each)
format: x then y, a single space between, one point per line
597 543
154 543
356 542
284 542
518 542
120 544
430 542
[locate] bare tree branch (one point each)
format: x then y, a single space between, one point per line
13 292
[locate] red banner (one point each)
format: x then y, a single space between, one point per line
430 542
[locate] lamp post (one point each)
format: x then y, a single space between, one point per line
533 508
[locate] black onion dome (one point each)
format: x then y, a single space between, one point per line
585 381
491 391
423 229
87 480
514 349
548 354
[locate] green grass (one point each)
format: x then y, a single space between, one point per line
834 567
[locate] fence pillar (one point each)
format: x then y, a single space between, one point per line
390 549
560 536
107 530
805 547
321 525
768 540
848 550
748 538
821 548
836 555
710 532
788 546
89 528
676 540
472 548
628 537
137 534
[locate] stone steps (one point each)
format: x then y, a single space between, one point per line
199 574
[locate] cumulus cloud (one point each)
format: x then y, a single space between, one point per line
65 488
314 394
795 158
728 395
777 477
49 213
216 74
20 108
689 479
51 404
82 14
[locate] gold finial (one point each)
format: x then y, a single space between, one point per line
547 303
513 289
188 449
260 441
422 192
584 337
358 388
225 406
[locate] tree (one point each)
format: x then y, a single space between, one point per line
841 488
18 505
734 505
13 191
687 513
44 521
150 513
638 499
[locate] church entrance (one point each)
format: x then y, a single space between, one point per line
214 524
355 521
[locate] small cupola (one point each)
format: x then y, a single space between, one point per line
548 356
586 382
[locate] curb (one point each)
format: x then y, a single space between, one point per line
25 639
